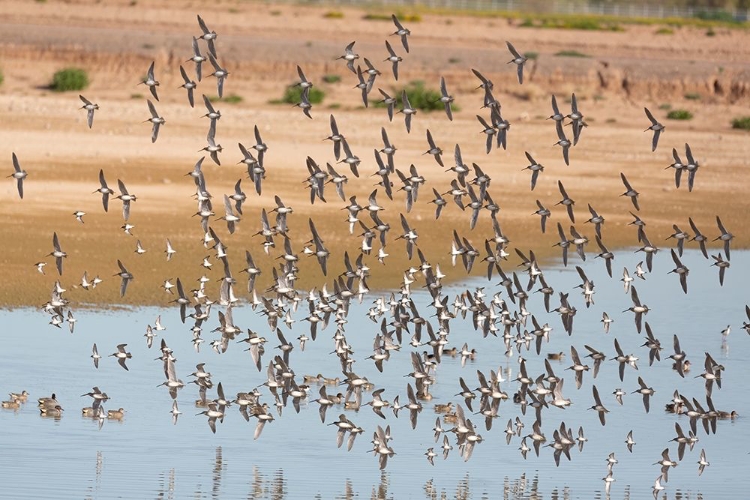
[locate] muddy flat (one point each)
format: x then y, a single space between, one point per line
615 75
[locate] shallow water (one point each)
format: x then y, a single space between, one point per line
296 456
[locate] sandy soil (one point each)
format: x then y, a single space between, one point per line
261 45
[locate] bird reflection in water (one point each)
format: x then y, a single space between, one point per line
218 470
274 488
166 485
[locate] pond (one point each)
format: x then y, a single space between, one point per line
145 455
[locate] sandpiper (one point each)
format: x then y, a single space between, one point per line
122 355
656 127
126 198
90 107
150 81
393 58
349 56
220 74
725 236
208 35
390 103
518 60
189 85
402 32
446 98
197 58
407 110
57 253
155 120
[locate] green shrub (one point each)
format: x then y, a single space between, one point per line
334 14
583 24
293 95
742 123
376 17
69 79
665 107
526 23
693 96
531 56
331 78
587 23
2 77
404 18
718 15
679 114
420 97
454 60
665 31
571 53
710 32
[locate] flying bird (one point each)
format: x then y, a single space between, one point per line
725 236
150 81
390 103
125 277
630 192
535 168
95 356
18 174
212 148
155 120
446 98
57 253
350 56
567 202
407 110
544 213
656 127
518 59
197 58
90 107
362 85
126 198
402 32
122 356
220 74
563 142
208 35
303 83
393 58
189 85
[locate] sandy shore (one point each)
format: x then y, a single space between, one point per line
261 45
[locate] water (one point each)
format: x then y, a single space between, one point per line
296 456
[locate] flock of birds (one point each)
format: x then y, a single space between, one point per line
501 315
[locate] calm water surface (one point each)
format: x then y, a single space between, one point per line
145 456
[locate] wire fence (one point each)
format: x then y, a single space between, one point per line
615 9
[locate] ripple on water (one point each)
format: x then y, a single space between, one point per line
296 457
